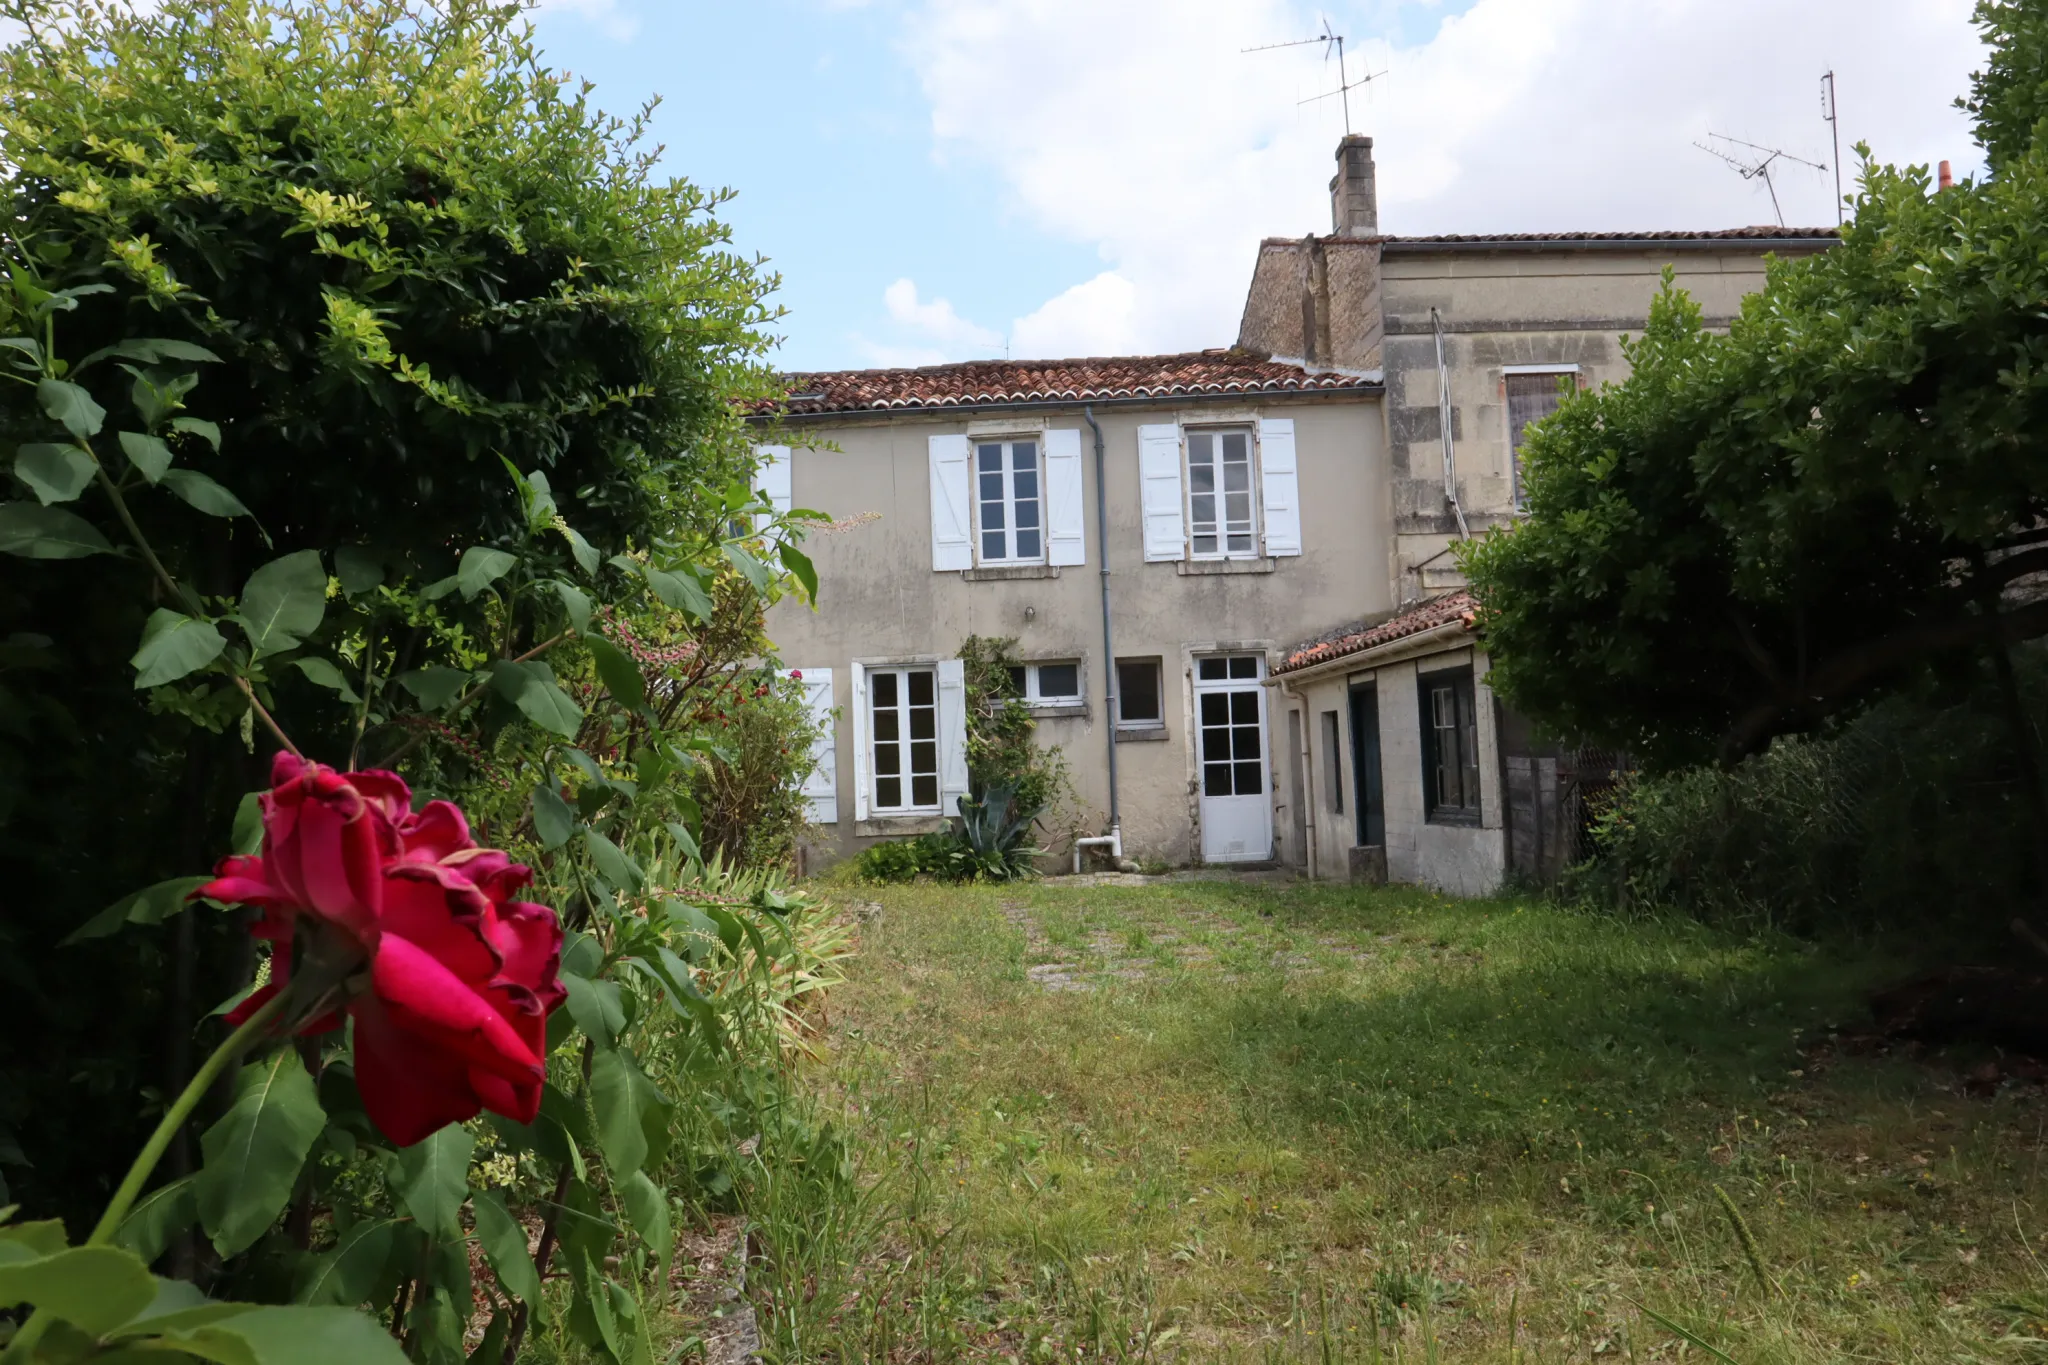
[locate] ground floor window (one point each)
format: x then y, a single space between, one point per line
1450 747
904 735
1139 703
1047 684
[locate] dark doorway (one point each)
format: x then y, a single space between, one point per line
1365 764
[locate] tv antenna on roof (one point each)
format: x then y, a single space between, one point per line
1832 112
1752 169
1333 42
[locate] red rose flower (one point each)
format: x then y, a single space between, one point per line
449 979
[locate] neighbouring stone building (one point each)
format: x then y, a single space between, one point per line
1229 572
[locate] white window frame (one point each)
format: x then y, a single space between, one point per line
1034 697
1158 666
1254 549
1008 442
906 773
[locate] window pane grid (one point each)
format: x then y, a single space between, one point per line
904 725
1009 502
1233 749
1221 510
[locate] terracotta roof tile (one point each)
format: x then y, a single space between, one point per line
979 383
1453 607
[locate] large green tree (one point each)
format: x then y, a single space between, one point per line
417 256
1757 532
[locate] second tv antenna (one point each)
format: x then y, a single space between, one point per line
1332 42
1753 168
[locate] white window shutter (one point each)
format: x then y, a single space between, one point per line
1166 535
773 481
952 536
1066 525
952 735
1280 485
858 675
821 788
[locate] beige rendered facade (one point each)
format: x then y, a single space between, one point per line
1279 521
884 605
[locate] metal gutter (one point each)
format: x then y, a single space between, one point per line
1638 244
1108 639
1239 396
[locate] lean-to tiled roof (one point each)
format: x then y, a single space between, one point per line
991 383
1451 608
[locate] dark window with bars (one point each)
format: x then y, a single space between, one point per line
1450 748
904 710
1006 474
1531 398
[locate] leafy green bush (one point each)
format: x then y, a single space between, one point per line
1915 813
414 251
1002 747
750 787
940 855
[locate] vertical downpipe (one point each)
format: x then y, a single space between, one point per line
1108 638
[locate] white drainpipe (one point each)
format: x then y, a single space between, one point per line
1113 841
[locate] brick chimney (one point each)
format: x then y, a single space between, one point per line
1354 191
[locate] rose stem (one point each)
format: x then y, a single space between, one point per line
180 1110
24 1343
265 716
543 1253
171 585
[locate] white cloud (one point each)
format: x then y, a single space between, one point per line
1172 154
887 356
1098 317
936 319
604 15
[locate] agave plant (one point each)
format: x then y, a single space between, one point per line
994 828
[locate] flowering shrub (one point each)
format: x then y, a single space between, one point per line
262 358
403 921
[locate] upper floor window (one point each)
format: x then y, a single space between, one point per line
1004 501
1533 393
1008 503
1219 492
1450 747
1222 513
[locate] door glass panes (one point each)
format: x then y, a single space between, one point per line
1233 746
905 729
1007 496
1220 508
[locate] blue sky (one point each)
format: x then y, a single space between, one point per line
949 179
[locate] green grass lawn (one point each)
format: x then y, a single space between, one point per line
1223 1120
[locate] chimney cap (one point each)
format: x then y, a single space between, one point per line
1353 140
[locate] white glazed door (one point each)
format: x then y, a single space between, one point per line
1230 724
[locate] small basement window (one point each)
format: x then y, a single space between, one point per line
1048 684
1139 705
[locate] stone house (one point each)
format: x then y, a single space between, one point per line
1229 572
